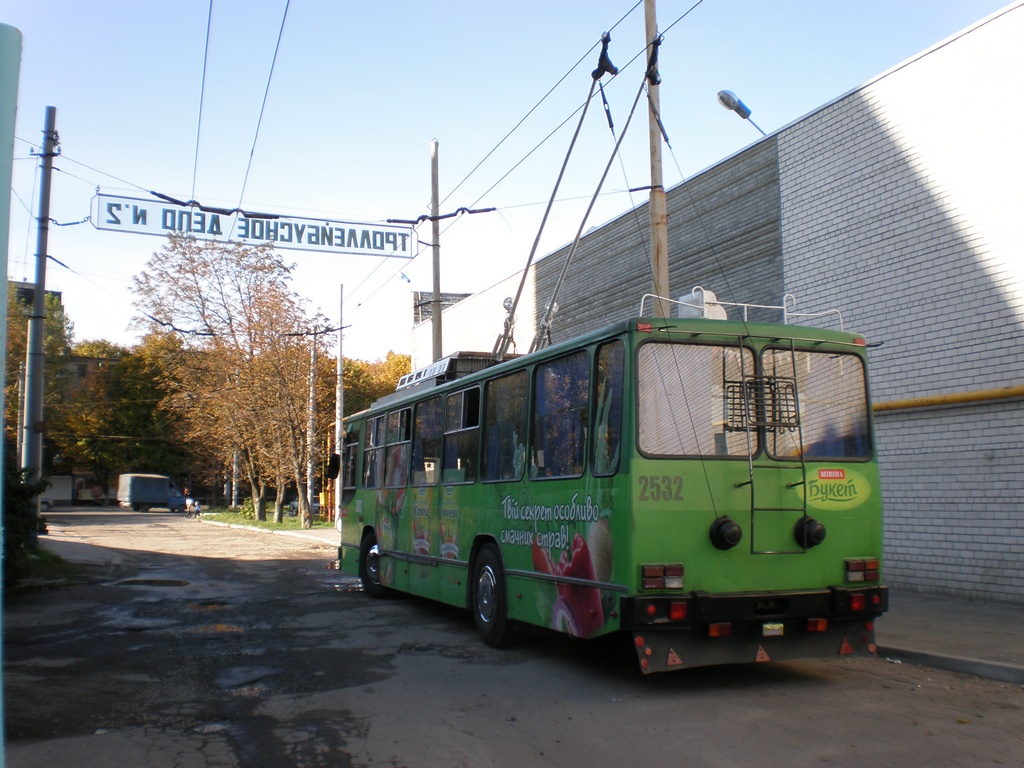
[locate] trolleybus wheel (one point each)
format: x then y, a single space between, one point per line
369 567
490 599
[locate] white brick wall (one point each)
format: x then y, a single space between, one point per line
901 204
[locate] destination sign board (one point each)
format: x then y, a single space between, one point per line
157 217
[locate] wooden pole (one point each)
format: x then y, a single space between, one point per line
659 215
435 306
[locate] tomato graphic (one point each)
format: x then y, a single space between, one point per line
578 609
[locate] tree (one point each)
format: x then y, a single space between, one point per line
365 382
237 379
112 415
57 334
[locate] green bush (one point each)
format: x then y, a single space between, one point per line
248 509
22 525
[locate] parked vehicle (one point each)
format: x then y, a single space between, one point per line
293 507
142 493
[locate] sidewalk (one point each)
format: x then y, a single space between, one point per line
973 637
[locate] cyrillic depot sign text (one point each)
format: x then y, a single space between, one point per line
154 217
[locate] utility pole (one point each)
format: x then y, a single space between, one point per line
339 412
32 444
659 215
307 522
435 306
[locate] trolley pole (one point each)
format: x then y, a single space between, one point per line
32 444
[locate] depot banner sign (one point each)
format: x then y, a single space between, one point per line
156 217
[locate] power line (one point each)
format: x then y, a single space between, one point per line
263 107
202 94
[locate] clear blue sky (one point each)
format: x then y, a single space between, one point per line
358 91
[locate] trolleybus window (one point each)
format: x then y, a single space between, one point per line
686 402
560 411
397 462
426 442
505 427
348 461
461 436
607 409
373 450
832 403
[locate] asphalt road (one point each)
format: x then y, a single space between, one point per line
194 645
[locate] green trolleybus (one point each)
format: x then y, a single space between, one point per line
709 486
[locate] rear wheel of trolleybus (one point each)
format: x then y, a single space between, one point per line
489 599
369 567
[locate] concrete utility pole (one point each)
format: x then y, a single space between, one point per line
32 444
435 305
659 215
339 410
311 434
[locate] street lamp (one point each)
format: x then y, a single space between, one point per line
731 101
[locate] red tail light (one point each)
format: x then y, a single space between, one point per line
817 625
862 569
722 629
662 576
857 601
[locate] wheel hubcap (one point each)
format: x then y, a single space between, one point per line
486 595
373 564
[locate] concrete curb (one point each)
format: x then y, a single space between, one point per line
990 670
295 534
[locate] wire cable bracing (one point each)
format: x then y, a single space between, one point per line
518 163
263 106
202 95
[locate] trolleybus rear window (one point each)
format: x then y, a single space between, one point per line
832 405
686 400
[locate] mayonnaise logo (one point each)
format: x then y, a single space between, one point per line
835 489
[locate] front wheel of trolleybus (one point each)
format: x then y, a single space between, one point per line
369 567
489 599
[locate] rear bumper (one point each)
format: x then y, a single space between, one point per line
751 626
702 608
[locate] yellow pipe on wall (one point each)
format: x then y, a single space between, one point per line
956 398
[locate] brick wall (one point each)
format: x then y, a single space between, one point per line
900 204
897 206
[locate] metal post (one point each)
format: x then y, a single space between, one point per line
659 215
339 410
32 453
435 307
307 522
236 472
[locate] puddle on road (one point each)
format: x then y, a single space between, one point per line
338 582
215 629
152 583
236 677
208 605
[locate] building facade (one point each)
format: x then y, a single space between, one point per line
900 204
